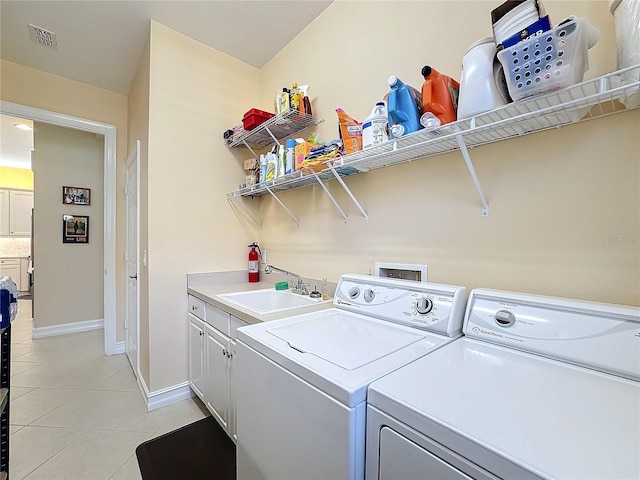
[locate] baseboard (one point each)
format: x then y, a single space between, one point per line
166 396
119 348
66 328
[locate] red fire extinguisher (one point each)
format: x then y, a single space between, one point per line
254 265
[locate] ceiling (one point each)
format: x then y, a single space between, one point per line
99 42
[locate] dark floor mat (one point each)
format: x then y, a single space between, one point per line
201 450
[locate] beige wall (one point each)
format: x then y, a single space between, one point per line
138 124
27 86
195 94
565 204
69 283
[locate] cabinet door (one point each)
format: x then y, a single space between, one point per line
196 357
216 388
20 205
4 212
11 268
235 324
24 274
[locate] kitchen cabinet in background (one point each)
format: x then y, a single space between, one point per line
15 212
10 267
18 270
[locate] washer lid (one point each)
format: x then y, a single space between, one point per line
345 341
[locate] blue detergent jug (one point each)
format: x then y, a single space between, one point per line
404 105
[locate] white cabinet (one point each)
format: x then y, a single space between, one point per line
15 212
10 267
217 392
212 334
4 212
196 355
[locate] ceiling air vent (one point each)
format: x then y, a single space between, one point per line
42 36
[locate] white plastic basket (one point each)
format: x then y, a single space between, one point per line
549 61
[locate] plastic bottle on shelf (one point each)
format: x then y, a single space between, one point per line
281 160
439 95
306 103
263 168
284 100
374 127
289 154
404 104
295 97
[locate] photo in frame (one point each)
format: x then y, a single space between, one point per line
75 229
76 196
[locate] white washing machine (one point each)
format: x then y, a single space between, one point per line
302 381
544 388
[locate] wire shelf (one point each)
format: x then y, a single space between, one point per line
280 126
587 100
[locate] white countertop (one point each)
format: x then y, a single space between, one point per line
209 287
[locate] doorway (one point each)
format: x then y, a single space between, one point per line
111 345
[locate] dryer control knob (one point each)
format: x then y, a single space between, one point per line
424 305
354 292
369 295
505 318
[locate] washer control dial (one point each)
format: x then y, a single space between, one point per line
369 295
354 292
505 318
424 305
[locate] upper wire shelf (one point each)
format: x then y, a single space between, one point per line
278 127
612 93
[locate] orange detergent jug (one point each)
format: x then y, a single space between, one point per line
439 95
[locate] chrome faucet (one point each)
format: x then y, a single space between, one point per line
300 287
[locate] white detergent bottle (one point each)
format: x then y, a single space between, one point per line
374 127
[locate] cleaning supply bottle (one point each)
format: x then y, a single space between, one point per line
263 168
306 103
439 95
374 127
289 154
284 100
295 97
272 166
404 104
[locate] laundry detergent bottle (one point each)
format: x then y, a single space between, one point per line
439 95
374 127
404 105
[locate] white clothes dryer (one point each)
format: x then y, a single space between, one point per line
302 381
544 388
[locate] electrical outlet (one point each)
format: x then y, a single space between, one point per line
264 257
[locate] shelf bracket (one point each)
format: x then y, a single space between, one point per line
346 189
326 190
240 203
472 171
275 140
255 155
283 206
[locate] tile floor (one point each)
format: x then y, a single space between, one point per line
75 413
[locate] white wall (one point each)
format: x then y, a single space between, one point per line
69 278
195 94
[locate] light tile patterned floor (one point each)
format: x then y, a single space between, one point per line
75 413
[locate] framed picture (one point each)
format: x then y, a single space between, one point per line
75 229
76 196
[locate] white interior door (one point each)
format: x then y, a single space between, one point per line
132 253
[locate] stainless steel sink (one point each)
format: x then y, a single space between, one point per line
269 301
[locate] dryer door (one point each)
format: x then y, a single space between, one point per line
401 459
